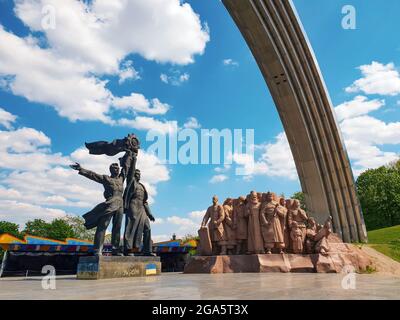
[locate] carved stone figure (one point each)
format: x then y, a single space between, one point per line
284 221
254 241
240 225
296 234
112 209
228 223
131 142
272 216
137 217
317 236
214 217
296 214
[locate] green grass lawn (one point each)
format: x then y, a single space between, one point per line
386 241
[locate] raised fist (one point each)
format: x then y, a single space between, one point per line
76 166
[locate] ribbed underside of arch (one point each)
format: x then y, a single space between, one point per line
280 46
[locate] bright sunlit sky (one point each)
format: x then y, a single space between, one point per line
109 68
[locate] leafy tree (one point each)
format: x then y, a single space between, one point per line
300 196
379 194
11 228
78 226
58 229
37 227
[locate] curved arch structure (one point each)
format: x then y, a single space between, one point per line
280 46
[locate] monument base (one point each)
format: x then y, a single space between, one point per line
104 267
350 260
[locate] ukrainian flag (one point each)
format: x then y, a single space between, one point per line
151 268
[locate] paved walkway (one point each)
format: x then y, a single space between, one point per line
204 286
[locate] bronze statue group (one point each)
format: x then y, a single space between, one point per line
124 194
261 223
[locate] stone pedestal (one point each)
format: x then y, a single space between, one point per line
94 268
259 263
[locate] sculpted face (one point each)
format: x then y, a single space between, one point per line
215 200
296 204
137 175
114 170
282 202
269 197
242 200
254 196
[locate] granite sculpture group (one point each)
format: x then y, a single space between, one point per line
131 200
266 233
261 223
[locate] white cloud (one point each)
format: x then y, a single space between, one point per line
101 33
148 123
20 212
197 214
230 62
192 123
6 119
175 78
223 169
276 160
39 184
359 106
138 103
180 225
366 129
377 79
218 178
128 72
41 76
365 135
161 237
183 226
64 67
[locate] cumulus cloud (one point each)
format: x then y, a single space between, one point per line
377 79
138 103
66 66
128 72
37 183
365 135
101 33
219 178
230 62
6 119
192 123
276 160
148 123
175 78
181 226
20 212
359 106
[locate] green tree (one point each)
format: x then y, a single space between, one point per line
379 194
37 227
78 226
300 196
11 228
58 229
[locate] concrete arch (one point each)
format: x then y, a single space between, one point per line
280 46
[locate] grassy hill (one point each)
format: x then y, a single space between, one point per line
386 241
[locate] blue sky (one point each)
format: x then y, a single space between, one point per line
164 64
